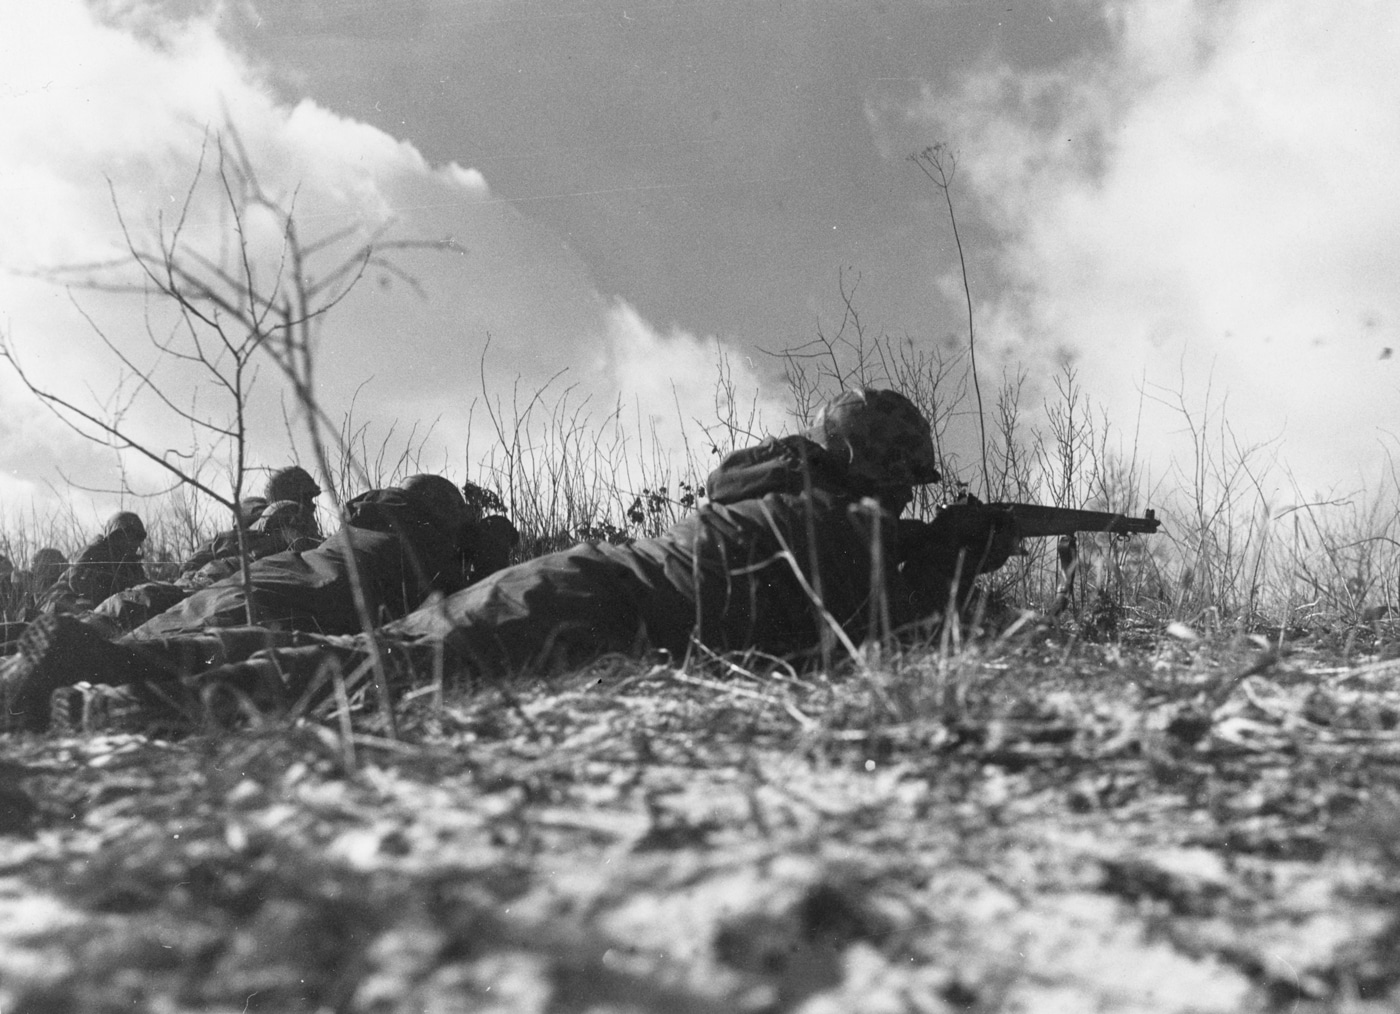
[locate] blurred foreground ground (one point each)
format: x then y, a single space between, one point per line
1037 826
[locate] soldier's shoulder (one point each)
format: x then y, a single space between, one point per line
791 465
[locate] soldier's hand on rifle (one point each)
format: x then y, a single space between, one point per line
940 559
986 536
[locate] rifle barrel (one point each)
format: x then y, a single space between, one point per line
1037 520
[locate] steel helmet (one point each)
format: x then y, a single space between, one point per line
292 483
439 498
127 524
48 557
880 436
47 566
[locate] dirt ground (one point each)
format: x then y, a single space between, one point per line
1037 824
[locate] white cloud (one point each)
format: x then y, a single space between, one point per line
1210 199
87 102
684 386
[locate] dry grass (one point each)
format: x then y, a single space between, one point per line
1028 824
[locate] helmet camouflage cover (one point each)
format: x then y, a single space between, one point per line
128 524
438 497
48 557
880 436
291 483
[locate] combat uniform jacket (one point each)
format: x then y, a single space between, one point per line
99 571
784 554
400 555
212 561
217 559
784 551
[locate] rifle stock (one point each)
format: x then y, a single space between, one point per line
1033 520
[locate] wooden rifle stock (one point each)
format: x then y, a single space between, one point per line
1034 520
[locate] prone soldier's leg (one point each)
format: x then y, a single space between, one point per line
59 650
282 679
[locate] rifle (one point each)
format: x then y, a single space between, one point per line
1033 520
967 534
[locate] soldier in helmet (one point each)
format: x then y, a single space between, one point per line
282 524
277 527
294 483
880 439
488 537
109 564
797 546
286 525
11 602
28 590
30 586
788 548
47 567
290 502
404 541
8 591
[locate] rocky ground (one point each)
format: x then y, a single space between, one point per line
1032 824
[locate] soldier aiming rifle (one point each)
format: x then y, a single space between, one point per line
799 547
926 550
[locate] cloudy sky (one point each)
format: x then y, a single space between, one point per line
1191 202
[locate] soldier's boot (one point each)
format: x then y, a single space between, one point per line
87 708
58 650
